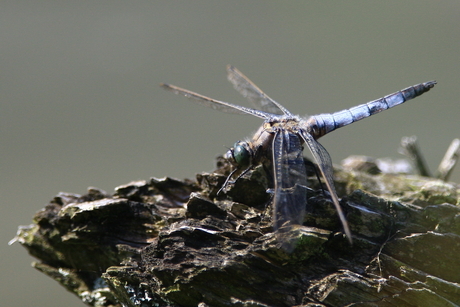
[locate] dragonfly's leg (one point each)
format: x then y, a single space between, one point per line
307 189
313 166
243 173
228 181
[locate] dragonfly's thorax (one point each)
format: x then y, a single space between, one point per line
263 138
289 123
262 141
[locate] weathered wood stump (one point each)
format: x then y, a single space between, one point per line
166 242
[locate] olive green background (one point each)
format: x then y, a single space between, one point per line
80 103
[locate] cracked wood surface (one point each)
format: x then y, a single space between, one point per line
166 242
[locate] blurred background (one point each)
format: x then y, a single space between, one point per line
80 103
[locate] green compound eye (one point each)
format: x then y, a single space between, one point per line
241 153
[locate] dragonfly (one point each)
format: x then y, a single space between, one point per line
279 143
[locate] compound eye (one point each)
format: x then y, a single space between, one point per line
241 153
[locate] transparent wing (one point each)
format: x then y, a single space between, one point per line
253 93
290 180
213 103
323 159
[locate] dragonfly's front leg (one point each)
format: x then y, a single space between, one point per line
228 181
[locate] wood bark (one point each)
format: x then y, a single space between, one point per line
167 242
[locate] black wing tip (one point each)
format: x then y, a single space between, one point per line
168 87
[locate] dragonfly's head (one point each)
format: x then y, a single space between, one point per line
240 154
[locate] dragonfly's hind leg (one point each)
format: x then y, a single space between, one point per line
310 165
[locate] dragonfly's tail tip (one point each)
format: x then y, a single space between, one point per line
431 84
